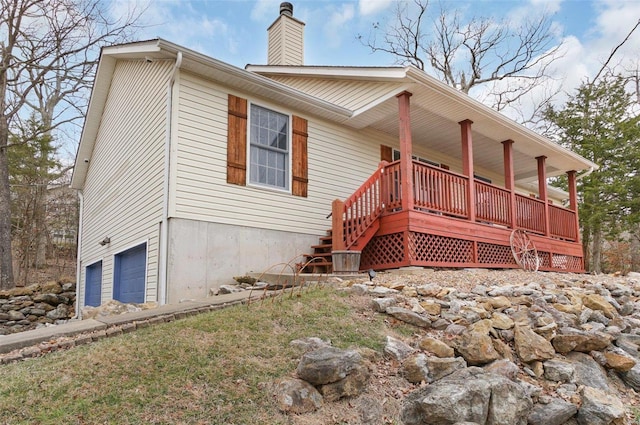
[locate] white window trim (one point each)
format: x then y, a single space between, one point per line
249 183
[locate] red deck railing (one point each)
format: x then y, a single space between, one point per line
493 204
439 190
444 192
563 223
530 214
356 214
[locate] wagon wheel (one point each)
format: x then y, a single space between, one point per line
524 251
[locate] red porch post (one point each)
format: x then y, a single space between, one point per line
467 166
337 225
542 191
406 164
509 180
573 200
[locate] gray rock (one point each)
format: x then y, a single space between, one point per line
469 395
448 403
51 299
309 343
628 344
558 370
297 396
381 304
557 412
381 291
69 287
632 377
327 365
599 408
397 349
409 316
61 312
15 316
571 339
442 367
587 371
503 367
350 386
229 289
429 290
415 369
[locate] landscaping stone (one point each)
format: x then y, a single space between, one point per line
436 347
531 346
556 412
476 345
397 349
327 365
600 408
297 396
409 316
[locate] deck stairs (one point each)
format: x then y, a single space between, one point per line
320 260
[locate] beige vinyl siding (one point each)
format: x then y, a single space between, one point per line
350 94
123 188
286 42
339 161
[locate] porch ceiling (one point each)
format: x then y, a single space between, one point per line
434 125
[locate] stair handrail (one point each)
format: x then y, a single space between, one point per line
352 217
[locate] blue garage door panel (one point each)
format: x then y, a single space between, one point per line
93 284
129 275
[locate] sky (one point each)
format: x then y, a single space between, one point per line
234 31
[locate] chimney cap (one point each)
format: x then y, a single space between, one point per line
286 8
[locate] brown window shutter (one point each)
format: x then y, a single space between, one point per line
237 141
299 156
386 153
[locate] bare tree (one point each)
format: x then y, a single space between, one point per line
467 54
48 52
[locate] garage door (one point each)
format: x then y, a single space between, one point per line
93 284
129 275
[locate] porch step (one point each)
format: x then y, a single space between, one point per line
320 261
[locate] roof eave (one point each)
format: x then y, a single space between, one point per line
159 48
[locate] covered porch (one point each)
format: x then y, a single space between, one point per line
412 213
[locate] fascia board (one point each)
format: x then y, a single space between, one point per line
479 108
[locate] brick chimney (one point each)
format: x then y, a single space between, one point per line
286 38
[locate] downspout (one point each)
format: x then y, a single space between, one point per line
79 254
164 230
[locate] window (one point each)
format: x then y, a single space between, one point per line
269 148
396 156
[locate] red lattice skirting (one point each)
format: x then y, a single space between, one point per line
427 250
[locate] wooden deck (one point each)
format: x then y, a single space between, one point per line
444 228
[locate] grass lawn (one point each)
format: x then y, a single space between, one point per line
215 368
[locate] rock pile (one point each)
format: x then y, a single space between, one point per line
28 307
489 348
555 350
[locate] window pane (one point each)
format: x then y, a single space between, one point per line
269 140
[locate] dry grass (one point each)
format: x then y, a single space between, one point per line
216 368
